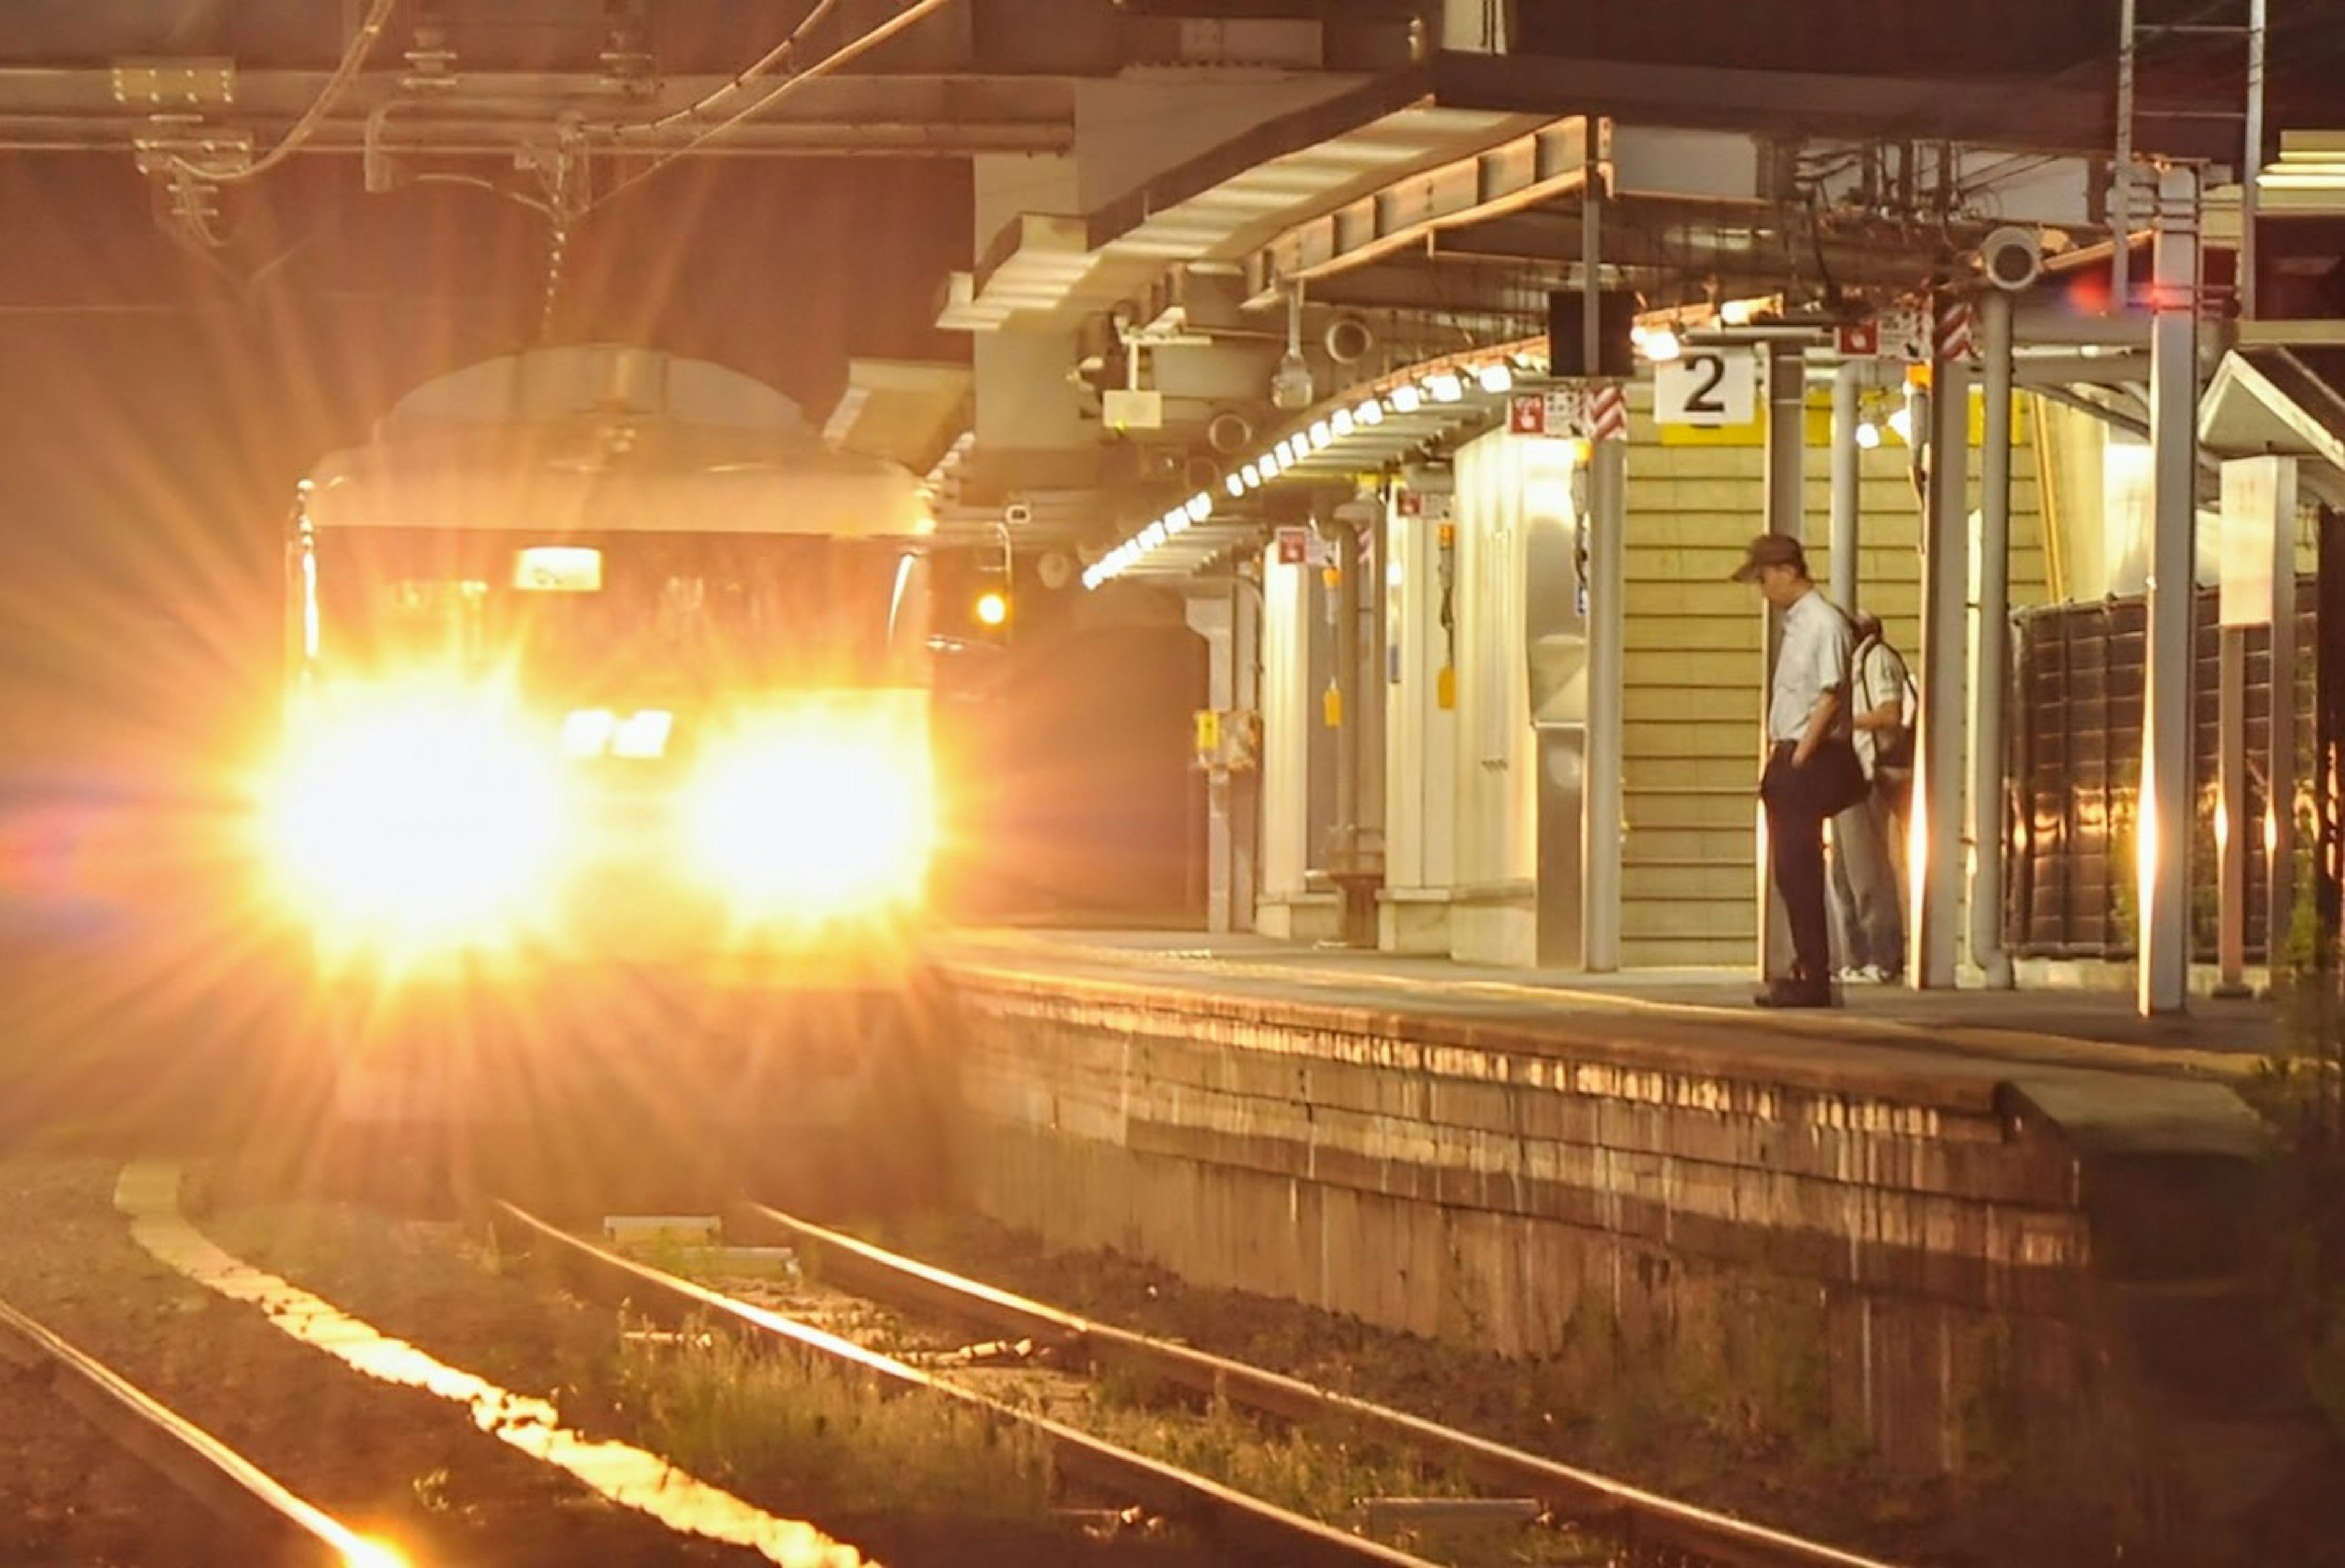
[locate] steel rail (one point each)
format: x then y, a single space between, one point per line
1243 1523
1615 1508
253 1504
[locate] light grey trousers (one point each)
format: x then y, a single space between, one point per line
1868 920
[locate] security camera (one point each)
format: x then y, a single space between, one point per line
2011 258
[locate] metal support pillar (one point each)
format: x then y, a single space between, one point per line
2279 793
1937 829
2230 816
2162 833
1848 383
1245 783
1603 812
2251 163
1993 671
1376 687
1347 857
1787 436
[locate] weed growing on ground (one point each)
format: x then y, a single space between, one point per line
2301 1089
834 1437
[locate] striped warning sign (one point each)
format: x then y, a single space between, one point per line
1954 336
1608 412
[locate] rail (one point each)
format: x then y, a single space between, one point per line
1245 1523
1623 1512
258 1508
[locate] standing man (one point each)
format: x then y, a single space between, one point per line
1812 772
1868 919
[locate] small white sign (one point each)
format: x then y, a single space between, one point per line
1711 387
1904 333
2255 522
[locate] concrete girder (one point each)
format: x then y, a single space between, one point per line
2043 118
1515 175
1679 201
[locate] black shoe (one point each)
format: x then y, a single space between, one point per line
1796 991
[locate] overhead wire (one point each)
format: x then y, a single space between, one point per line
750 72
844 55
354 59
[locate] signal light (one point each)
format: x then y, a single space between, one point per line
993 608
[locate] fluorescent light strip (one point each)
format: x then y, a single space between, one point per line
1447 385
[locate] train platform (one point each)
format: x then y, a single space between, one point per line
1998 1219
2072 1047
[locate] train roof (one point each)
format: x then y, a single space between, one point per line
608 439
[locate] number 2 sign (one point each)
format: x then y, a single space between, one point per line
1708 387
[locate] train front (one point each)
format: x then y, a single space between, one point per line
608 799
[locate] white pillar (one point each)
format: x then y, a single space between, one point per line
1420 736
2162 833
1993 651
1289 716
1937 828
1212 620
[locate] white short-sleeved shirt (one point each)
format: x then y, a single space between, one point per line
1812 660
1877 678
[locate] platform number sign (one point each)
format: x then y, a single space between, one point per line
1707 387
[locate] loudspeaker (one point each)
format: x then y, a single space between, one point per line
1567 314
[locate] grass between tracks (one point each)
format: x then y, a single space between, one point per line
716 1401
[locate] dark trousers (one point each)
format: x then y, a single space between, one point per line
1795 845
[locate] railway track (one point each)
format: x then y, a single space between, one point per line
1509 1487
260 1518
1246 1527
1639 1520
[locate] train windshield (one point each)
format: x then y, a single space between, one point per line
598 616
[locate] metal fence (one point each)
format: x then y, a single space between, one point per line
2074 775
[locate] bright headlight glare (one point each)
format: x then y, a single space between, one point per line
816 814
414 817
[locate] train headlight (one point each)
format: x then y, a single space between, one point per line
415 819
824 816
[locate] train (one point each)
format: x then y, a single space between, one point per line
608 785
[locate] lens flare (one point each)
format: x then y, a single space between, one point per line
820 813
414 817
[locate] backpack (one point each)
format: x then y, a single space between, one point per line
1893 750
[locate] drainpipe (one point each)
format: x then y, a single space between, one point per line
1848 380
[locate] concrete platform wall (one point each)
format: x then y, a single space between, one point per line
1924 1268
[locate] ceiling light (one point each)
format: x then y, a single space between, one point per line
1497 377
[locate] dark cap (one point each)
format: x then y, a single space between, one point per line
1770 550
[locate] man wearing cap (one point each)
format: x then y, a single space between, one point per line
1812 772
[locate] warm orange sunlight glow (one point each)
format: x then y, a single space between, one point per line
373 1554
819 814
413 817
